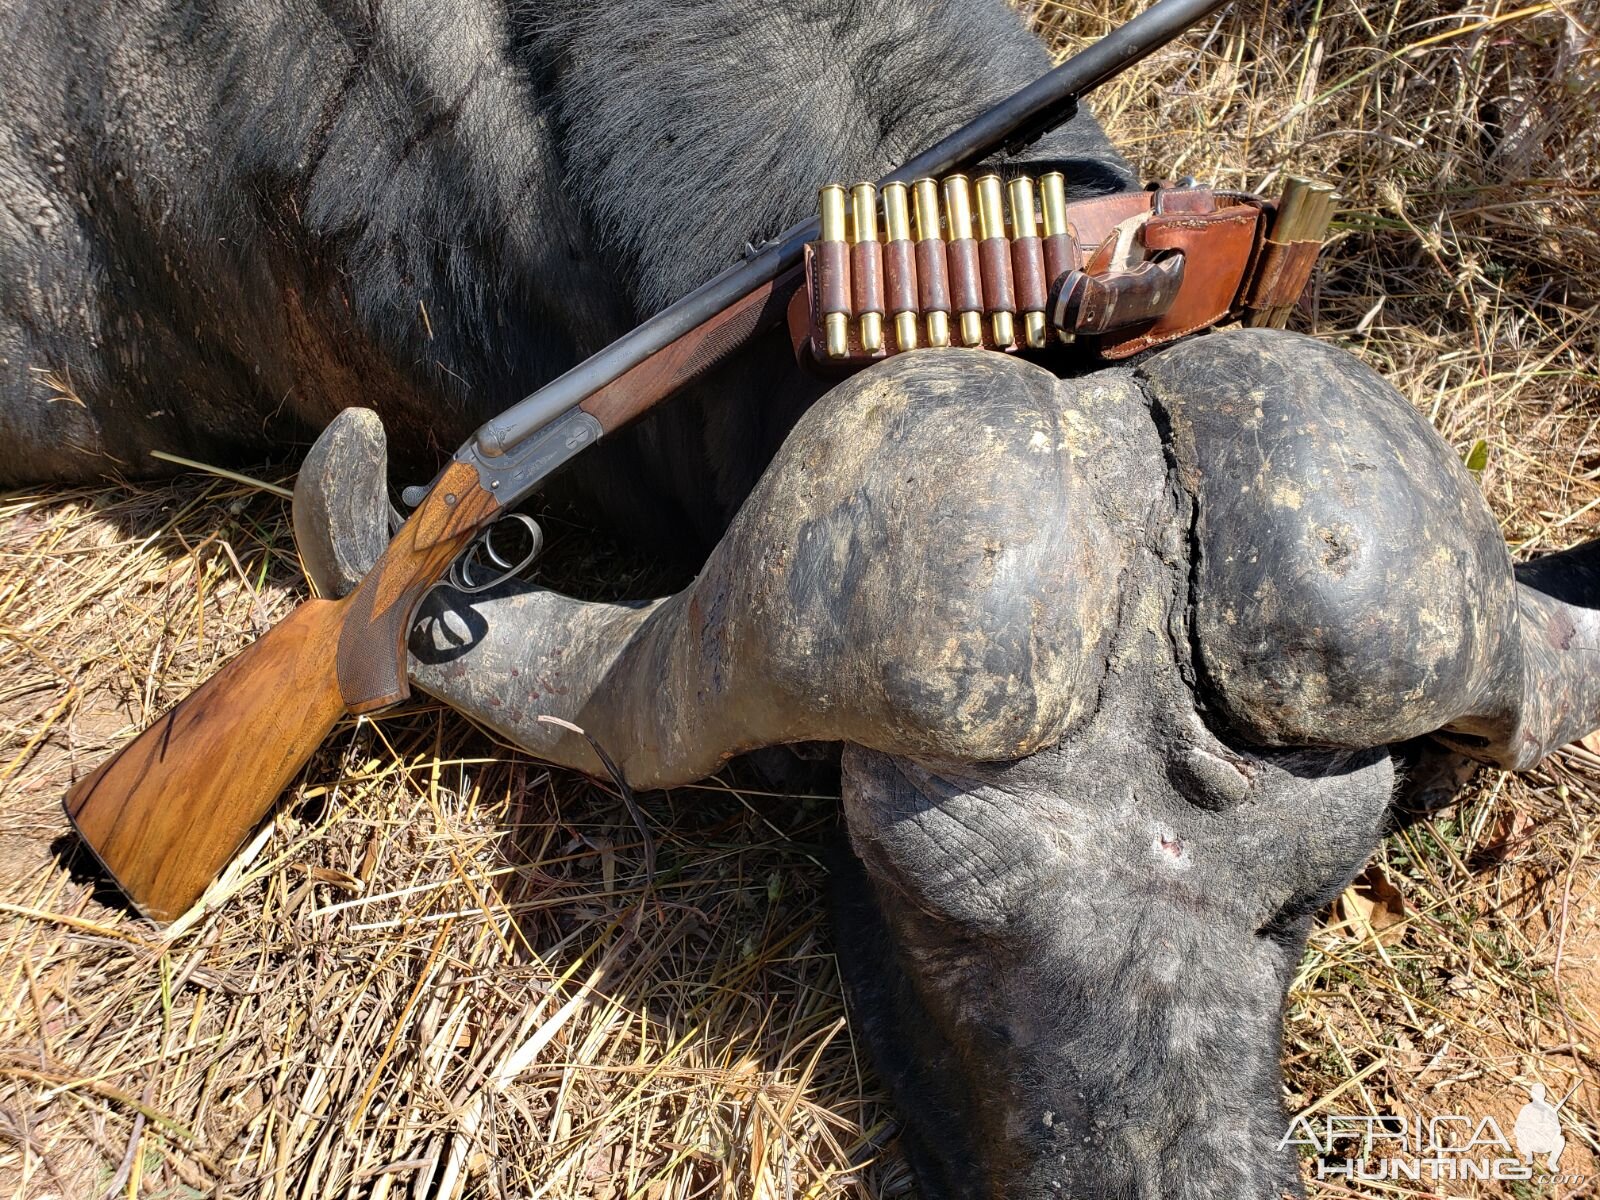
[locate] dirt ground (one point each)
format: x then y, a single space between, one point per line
437 971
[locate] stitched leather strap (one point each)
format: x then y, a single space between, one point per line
1216 248
1204 259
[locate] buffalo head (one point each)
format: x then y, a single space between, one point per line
1116 663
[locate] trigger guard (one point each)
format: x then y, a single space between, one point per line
461 570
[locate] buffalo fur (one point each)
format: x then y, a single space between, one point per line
221 223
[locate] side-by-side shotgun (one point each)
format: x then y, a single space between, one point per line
166 813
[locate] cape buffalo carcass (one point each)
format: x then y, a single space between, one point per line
1115 685
224 222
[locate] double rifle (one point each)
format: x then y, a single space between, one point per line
166 813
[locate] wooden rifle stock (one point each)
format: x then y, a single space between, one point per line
165 813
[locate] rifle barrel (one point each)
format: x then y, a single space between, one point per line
1015 122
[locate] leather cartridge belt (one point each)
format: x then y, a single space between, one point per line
1012 266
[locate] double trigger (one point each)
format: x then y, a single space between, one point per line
484 565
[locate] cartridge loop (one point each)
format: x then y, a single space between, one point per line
1014 265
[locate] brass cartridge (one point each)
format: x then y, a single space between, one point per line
991 208
1294 217
1322 202
1293 209
1053 200
836 324
1026 248
1327 199
1304 213
897 234
933 277
958 216
1053 203
868 290
992 225
958 207
1024 208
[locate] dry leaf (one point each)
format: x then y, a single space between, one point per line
1373 903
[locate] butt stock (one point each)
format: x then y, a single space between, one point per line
165 813
169 810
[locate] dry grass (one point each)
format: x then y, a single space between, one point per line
438 972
